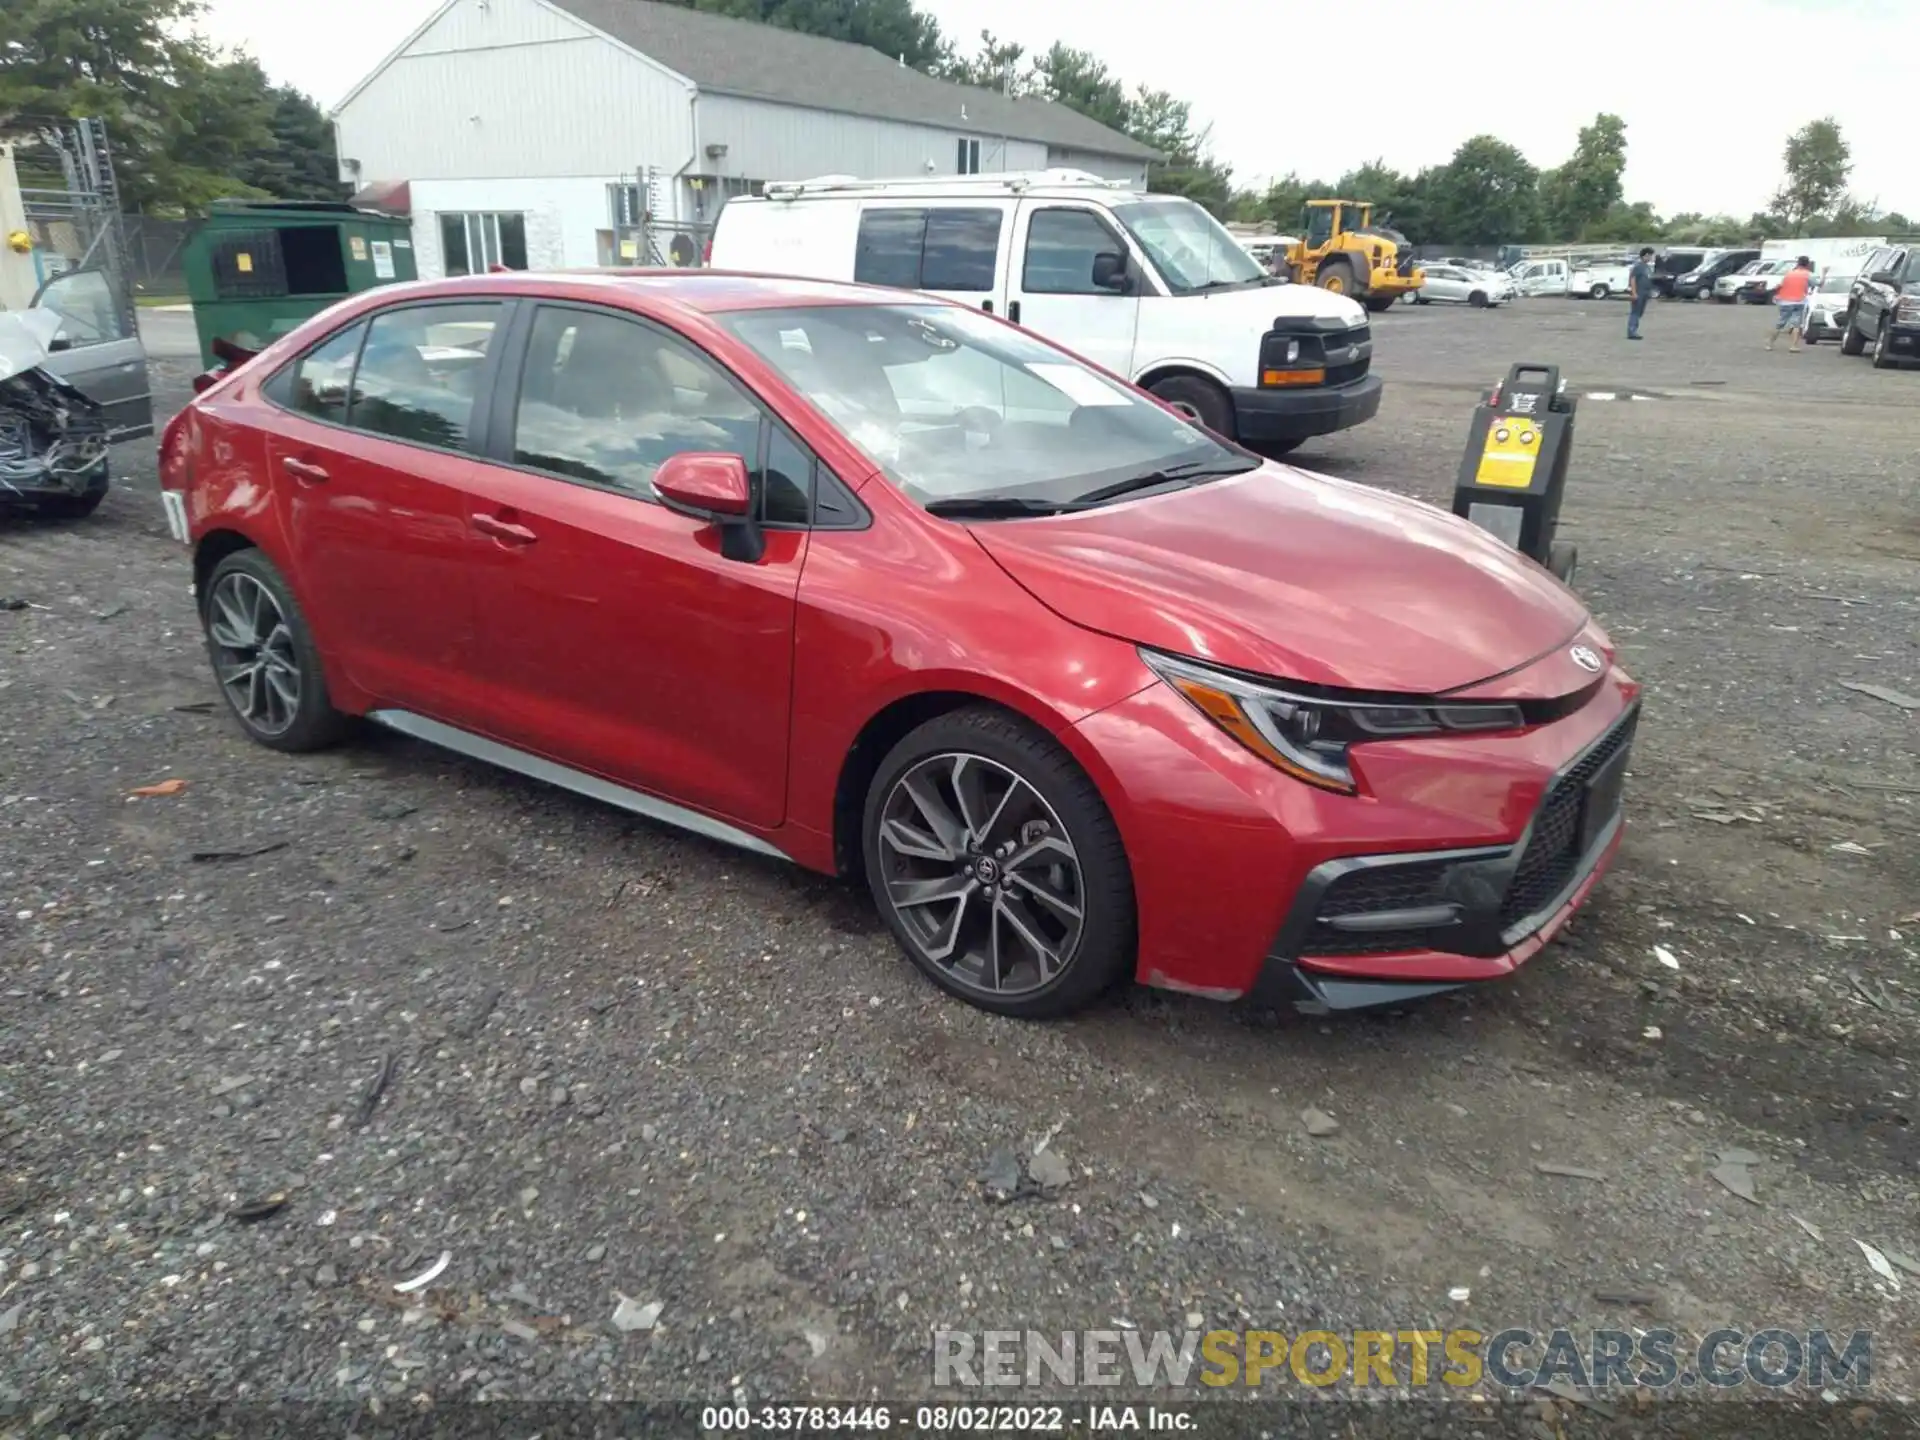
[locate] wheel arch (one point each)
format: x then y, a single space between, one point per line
898 717
1183 367
210 549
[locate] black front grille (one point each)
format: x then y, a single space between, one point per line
1345 355
1552 856
1347 374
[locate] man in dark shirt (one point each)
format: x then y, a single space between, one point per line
1639 291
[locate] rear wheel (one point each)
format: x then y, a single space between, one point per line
1198 399
1598 292
264 657
1380 303
78 507
998 867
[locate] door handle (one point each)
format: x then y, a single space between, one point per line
987 305
305 470
503 530
1013 311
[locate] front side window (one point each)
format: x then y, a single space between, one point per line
1061 246
956 407
607 400
88 310
929 249
1191 250
473 243
420 371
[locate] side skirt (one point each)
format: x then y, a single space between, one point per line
537 767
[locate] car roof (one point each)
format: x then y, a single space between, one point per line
706 292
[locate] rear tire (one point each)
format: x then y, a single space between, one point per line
1379 304
264 658
939 816
1598 292
1200 400
78 507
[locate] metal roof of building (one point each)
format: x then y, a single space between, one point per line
765 62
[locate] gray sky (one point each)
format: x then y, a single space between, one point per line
1710 89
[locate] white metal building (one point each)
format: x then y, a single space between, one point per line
541 132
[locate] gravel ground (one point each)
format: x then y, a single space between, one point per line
619 1062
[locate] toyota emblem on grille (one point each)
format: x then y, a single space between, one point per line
1586 658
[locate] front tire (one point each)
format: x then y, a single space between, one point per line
1883 357
1337 276
1200 400
1478 300
264 658
998 867
1852 342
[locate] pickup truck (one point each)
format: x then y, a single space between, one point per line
1886 311
1597 282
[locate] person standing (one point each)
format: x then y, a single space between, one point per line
1796 289
1639 290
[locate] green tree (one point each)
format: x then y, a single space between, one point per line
1485 195
1584 191
1157 119
893 27
1818 161
996 65
1074 78
114 59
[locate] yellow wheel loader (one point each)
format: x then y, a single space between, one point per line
1342 250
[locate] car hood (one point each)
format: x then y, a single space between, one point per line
1302 577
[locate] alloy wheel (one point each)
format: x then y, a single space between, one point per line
254 656
981 875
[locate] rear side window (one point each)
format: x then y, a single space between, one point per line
420 372
320 382
929 249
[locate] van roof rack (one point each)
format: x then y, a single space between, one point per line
1014 180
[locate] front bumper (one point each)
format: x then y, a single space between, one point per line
1285 414
1826 324
1478 913
1903 338
1240 871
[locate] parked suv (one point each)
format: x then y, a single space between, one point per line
1886 312
1151 287
1697 284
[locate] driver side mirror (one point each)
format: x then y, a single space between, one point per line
1110 272
715 488
1884 277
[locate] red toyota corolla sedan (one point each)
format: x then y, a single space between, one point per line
892 589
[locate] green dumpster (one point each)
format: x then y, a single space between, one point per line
255 270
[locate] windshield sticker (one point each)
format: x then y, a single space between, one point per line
1082 387
796 340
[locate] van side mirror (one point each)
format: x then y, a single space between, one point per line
1110 272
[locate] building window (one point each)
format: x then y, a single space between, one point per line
933 249
473 244
969 161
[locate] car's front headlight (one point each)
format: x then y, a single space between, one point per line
1308 735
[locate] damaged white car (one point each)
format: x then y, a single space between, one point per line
53 438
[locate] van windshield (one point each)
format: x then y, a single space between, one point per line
1191 250
974 417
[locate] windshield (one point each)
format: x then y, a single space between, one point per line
1836 280
956 407
1191 250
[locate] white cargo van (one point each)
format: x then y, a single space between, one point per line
1151 287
